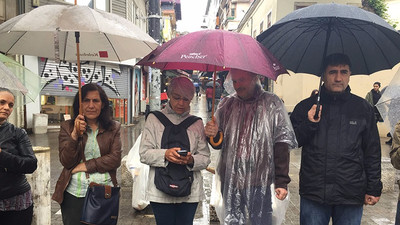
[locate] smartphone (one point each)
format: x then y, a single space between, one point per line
183 152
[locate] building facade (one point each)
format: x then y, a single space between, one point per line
124 83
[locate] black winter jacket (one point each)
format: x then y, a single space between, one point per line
341 155
16 160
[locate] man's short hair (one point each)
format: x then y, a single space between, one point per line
378 83
336 59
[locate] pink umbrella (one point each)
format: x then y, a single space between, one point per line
214 50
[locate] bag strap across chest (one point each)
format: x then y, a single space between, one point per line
175 135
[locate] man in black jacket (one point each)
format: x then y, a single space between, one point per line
341 154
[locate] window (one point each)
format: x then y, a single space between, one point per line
94 4
233 12
269 20
299 5
261 27
132 12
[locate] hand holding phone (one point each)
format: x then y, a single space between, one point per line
182 152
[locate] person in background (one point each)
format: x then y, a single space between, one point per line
209 96
373 97
89 144
257 135
341 152
168 209
197 86
16 160
218 93
395 159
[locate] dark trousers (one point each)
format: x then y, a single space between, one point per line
23 217
209 104
313 213
71 209
174 214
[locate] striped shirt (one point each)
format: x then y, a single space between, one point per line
79 183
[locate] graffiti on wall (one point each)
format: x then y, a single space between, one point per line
64 75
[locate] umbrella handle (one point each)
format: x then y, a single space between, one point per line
316 115
221 137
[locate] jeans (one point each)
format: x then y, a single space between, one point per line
398 214
174 214
313 213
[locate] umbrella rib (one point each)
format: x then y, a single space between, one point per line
112 46
352 33
367 33
310 28
65 45
148 45
15 42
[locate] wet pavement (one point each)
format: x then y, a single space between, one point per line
383 213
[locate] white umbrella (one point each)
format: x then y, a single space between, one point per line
10 81
49 31
19 79
74 33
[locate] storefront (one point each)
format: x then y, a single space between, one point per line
62 84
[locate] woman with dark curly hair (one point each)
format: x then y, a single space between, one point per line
98 155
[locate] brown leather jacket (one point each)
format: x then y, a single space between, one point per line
70 155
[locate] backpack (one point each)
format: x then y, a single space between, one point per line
174 179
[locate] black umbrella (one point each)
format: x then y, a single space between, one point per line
303 38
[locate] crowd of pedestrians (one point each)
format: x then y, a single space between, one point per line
340 163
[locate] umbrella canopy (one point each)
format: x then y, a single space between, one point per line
30 81
214 50
303 38
389 103
10 81
49 31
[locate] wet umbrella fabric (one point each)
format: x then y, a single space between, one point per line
215 50
48 31
11 82
32 82
389 103
302 39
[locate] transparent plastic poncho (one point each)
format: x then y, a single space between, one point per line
245 168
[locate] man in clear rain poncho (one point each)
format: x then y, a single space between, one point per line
257 135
